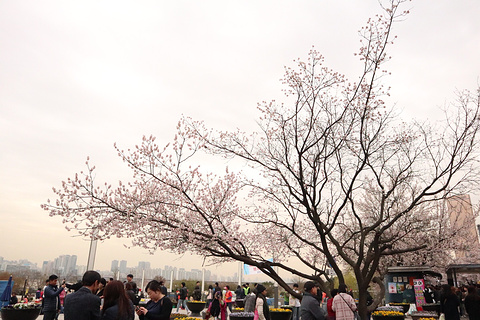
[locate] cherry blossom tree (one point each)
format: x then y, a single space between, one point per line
334 178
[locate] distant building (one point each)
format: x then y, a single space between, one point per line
123 267
461 216
114 266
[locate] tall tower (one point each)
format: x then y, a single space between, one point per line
461 216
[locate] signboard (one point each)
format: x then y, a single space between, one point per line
419 286
392 287
248 269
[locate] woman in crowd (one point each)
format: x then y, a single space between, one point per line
472 303
159 307
261 306
209 295
116 305
130 292
218 308
449 303
343 304
330 312
101 287
228 298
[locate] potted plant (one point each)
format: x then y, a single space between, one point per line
417 315
242 316
196 307
280 314
240 303
179 316
21 311
432 307
404 305
388 315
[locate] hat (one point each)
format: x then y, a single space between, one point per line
308 286
261 288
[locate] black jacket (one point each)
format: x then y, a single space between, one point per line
112 313
82 305
51 302
160 310
310 308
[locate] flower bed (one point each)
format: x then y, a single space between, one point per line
179 316
280 314
422 315
431 307
403 305
242 316
238 309
387 315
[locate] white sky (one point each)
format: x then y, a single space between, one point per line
77 76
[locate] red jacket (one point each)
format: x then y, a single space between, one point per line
228 296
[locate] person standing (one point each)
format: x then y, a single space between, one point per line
182 301
159 307
295 303
449 303
310 306
209 296
228 298
343 304
472 303
101 287
239 294
261 305
217 289
51 301
84 304
130 280
13 298
330 312
246 289
217 309
116 306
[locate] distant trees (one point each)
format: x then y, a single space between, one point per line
34 279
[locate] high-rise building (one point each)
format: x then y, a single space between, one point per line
71 265
114 266
461 216
123 266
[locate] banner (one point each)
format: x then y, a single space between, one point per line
419 286
248 269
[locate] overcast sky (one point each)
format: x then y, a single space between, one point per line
78 76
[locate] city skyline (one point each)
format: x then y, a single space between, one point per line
64 266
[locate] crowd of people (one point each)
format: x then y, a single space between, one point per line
455 302
94 298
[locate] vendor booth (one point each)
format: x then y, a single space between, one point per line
406 284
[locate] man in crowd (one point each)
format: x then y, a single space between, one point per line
134 285
84 304
310 306
51 301
182 301
295 303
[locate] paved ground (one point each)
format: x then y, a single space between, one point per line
136 317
